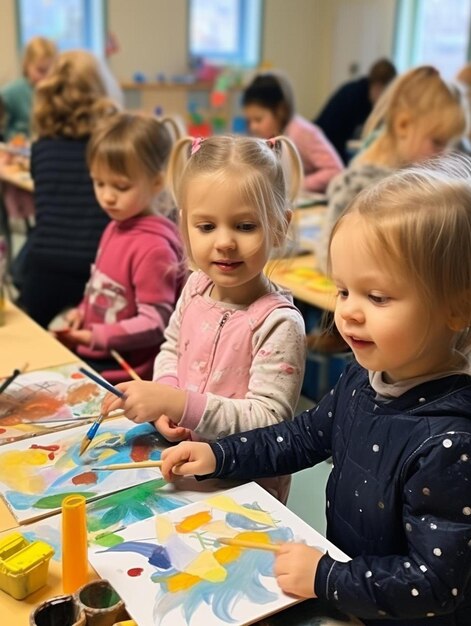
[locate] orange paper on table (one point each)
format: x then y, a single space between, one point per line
74 543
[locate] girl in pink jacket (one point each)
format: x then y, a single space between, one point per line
138 271
234 350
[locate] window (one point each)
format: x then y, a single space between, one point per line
70 23
433 32
225 32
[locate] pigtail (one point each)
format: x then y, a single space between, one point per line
174 126
288 155
176 165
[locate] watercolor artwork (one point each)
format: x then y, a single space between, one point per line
173 570
36 474
38 402
107 517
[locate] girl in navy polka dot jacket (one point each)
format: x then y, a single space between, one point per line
398 422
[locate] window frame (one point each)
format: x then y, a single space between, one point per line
247 28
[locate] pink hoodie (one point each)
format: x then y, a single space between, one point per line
133 288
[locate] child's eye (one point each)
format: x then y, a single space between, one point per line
378 299
247 226
205 228
342 293
122 188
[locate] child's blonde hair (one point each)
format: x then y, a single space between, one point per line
73 96
422 94
38 48
132 143
419 222
267 174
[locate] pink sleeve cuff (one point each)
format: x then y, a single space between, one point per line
171 381
194 409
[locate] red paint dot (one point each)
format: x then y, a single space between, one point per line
2 430
135 571
77 376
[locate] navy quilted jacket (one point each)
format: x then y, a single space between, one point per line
398 497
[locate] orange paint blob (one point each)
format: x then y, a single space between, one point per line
87 478
192 522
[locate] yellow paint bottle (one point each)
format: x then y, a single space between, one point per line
23 565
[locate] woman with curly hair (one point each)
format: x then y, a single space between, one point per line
69 222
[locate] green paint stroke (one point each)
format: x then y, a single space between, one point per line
55 501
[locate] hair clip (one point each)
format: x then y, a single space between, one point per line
196 145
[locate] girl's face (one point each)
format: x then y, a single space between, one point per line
227 241
380 313
262 122
420 140
37 70
122 197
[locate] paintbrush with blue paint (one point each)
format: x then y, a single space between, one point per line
86 441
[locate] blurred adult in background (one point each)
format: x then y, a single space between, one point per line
17 96
58 253
346 110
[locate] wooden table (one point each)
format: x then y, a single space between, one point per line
288 273
23 341
18 178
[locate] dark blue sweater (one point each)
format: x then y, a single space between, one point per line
398 497
69 220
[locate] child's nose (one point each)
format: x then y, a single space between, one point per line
350 310
109 195
225 240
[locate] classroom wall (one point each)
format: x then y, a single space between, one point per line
313 41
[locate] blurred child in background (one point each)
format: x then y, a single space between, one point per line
269 108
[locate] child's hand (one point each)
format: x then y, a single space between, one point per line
74 319
146 400
188 459
295 569
171 431
73 338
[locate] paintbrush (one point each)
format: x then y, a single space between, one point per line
7 382
136 465
94 427
254 545
125 365
86 441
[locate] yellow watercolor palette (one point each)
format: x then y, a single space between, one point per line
23 565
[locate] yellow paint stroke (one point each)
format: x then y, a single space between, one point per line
163 529
181 582
257 537
17 470
206 567
224 503
227 554
192 522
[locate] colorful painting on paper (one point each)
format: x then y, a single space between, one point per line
173 570
36 474
110 515
35 400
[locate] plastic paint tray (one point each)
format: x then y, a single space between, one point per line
23 565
